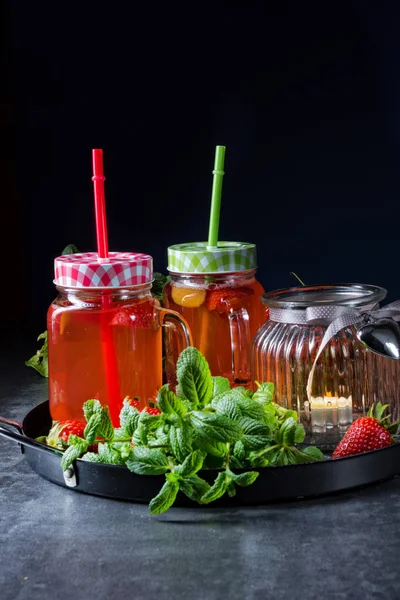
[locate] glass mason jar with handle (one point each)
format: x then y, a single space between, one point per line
105 333
347 378
216 291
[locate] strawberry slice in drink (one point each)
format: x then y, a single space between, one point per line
222 300
138 315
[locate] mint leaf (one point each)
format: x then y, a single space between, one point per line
40 364
71 454
289 414
282 413
124 449
110 455
256 435
215 427
140 436
194 377
70 249
77 447
39 361
212 447
244 479
128 418
161 434
180 440
92 427
169 403
270 416
300 434
242 398
283 456
92 457
194 487
148 422
235 463
218 489
91 407
239 450
105 429
228 405
287 432
257 460
264 394
251 409
220 385
191 464
165 498
231 489
119 434
146 461
309 454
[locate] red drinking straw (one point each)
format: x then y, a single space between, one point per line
100 203
109 357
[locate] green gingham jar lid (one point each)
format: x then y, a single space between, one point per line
198 257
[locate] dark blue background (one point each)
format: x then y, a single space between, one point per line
305 96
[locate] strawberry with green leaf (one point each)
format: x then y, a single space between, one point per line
367 433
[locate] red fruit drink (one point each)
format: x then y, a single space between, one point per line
105 324
216 291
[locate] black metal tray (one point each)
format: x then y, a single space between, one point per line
275 484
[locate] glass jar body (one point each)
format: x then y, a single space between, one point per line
103 344
347 379
224 311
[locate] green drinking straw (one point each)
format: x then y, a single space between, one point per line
216 196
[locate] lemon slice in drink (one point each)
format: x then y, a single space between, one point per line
188 297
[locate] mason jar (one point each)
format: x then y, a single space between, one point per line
216 291
105 333
347 378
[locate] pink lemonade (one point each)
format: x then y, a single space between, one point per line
105 334
77 370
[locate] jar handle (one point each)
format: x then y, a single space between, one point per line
240 343
173 320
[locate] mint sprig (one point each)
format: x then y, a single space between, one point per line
205 425
40 361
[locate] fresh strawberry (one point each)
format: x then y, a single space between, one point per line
220 300
138 315
61 430
367 433
152 410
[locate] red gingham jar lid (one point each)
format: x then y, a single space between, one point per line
120 269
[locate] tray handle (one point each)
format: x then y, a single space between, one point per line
12 423
20 438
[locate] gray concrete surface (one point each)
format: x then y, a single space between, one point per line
58 544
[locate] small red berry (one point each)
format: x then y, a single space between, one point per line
137 315
61 430
152 410
220 300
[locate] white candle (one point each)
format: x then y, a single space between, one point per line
328 411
